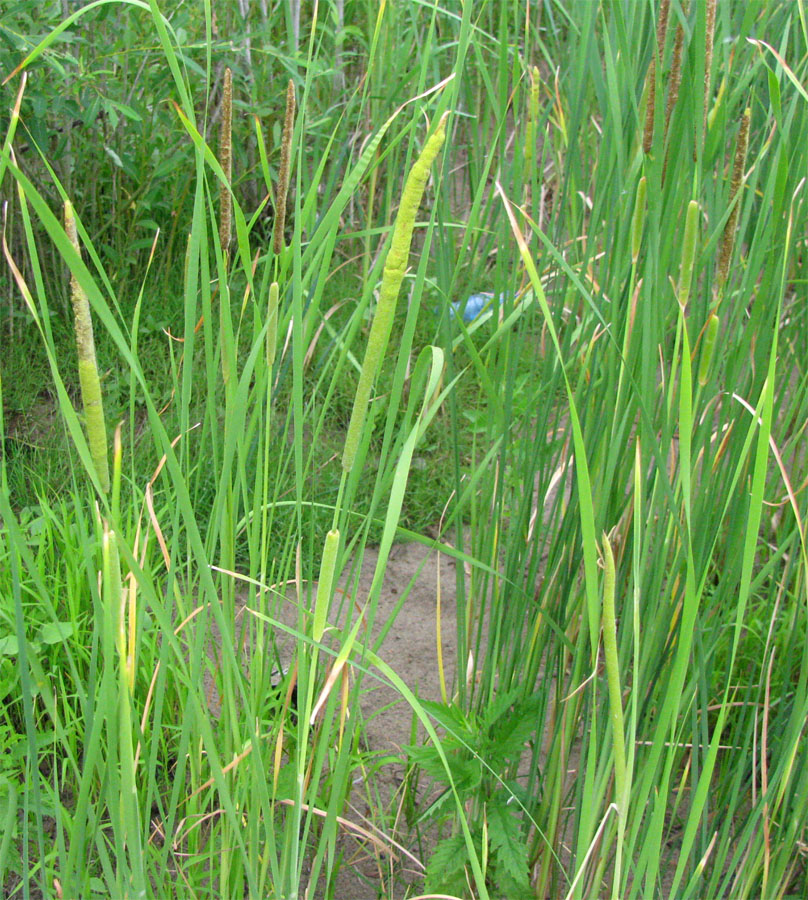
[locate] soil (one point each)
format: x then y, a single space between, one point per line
410 648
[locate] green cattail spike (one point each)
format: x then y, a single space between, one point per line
648 133
688 252
283 172
324 585
638 220
612 661
88 366
728 238
394 268
226 162
708 348
272 319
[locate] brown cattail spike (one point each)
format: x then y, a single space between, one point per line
675 78
283 172
728 238
648 133
226 162
662 28
709 34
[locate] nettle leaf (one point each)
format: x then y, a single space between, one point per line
449 715
507 728
508 846
466 770
445 871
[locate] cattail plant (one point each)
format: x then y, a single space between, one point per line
728 238
88 365
394 268
283 172
226 162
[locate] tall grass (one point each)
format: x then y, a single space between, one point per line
628 714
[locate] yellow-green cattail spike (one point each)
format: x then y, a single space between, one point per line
638 220
88 366
532 113
324 585
728 238
394 269
708 348
283 171
226 162
272 319
688 252
612 661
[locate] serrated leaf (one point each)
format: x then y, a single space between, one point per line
445 871
508 845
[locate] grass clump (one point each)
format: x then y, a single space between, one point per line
193 637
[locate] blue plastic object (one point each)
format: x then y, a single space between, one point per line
474 305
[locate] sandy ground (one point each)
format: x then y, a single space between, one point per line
410 648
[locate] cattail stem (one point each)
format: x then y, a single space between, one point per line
88 365
394 269
283 172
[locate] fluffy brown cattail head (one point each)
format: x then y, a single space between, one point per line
283 172
226 161
728 238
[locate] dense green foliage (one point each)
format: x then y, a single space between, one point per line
613 451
